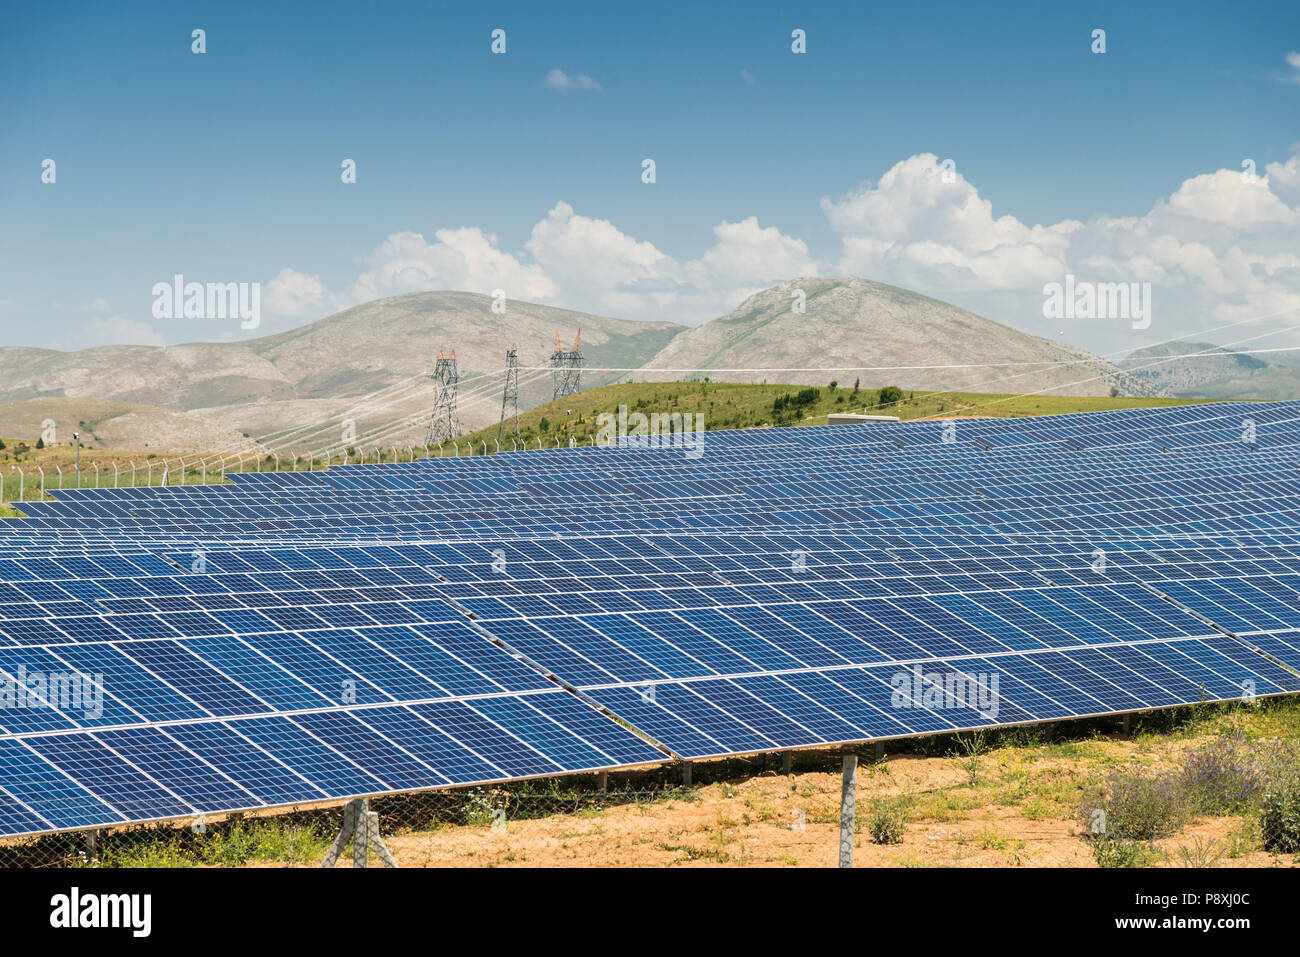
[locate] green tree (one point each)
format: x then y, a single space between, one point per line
890 394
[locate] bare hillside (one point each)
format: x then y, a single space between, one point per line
852 324
367 368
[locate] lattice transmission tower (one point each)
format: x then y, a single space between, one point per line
444 424
510 398
566 366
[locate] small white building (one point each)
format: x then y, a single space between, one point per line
853 418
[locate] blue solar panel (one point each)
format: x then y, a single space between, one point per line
387 628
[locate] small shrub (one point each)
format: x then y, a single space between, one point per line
1221 777
1279 821
1111 853
1202 852
483 809
1132 805
887 820
1243 838
972 748
890 394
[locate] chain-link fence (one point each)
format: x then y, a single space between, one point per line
1218 786
304 834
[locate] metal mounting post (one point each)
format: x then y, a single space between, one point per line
686 774
848 809
361 825
785 762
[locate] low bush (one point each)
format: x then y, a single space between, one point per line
1221 777
1132 804
887 820
1280 814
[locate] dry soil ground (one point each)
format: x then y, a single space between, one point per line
1012 807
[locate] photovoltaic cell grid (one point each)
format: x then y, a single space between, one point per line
297 637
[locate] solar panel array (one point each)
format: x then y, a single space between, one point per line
311 636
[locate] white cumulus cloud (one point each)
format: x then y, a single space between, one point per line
922 223
1220 248
746 258
293 294
466 259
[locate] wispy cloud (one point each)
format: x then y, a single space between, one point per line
1293 61
559 80
112 331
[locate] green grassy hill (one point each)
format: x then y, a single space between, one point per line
723 405
729 405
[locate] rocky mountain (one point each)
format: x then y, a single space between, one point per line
1203 369
1182 368
369 363
367 368
855 328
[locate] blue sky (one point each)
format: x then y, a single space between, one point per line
225 166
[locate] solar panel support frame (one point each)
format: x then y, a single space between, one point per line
361 826
848 808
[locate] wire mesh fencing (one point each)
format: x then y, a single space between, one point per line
1215 790
304 835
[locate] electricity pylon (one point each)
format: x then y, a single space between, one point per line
444 424
510 398
566 366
